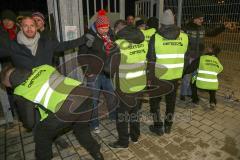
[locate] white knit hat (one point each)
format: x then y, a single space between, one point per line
168 18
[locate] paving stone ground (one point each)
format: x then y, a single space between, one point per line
197 134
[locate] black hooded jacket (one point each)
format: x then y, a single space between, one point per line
98 50
167 31
130 34
197 35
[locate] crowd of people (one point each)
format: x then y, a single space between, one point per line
132 60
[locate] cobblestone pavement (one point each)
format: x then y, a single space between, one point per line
197 135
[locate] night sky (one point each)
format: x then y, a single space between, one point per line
41 5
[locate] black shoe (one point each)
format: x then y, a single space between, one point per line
182 98
134 141
61 143
97 155
212 106
117 145
167 129
157 130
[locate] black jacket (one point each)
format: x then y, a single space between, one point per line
22 57
196 36
4 41
132 35
98 50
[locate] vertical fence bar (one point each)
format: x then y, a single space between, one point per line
88 17
151 8
95 6
109 6
81 21
122 9
115 6
101 4
179 15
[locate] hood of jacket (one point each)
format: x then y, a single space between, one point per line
169 31
131 34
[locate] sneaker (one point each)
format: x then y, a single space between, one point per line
117 145
60 142
196 104
212 106
96 130
134 141
97 155
157 130
167 129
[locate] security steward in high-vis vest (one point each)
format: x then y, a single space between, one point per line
166 55
62 102
130 80
151 28
206 69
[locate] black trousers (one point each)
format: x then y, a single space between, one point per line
128 116
46 131
195 99
170 106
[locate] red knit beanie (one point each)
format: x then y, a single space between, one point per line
102 19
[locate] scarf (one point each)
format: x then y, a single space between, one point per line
30 43
11 32
108 43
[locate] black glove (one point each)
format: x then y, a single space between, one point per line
89 39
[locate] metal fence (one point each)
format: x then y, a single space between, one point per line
216 12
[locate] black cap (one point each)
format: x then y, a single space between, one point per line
18 76
139 22
198 14
8 14
153 22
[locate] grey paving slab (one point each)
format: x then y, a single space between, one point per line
196 134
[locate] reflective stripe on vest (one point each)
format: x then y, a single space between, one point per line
164 56
47 90
46 87
207 79
170 56
169 66
132 68
209 68
132 75
207 72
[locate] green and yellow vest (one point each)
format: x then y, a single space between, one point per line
209 68
47 87
132 69
170 56
148 33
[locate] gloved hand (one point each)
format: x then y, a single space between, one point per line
89 39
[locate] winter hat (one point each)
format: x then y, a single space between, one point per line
198 14
139 22
8 14
102 19
38 14
153 22
168 18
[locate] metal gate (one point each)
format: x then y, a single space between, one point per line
72 18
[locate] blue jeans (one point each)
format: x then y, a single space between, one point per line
104 83
186 85
186 82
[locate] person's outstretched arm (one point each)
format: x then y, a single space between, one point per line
62 46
